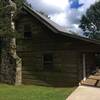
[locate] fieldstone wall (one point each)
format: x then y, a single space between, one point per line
11 64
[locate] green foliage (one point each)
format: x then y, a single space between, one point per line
90 23
5 17
34 92
20 3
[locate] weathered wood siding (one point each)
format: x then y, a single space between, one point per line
67 54
65 61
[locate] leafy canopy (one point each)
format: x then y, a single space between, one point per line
5 16
90 23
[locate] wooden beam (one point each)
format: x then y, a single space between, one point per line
84 66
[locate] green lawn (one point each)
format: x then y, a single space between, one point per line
32 92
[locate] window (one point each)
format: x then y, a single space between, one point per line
48 62
27 31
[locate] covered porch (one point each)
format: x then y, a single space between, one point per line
91 69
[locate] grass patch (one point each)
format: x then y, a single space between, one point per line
33 92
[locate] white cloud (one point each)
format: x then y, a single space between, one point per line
61 13
45 7
61 4
70 18
59 18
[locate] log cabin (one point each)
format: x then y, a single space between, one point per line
52 55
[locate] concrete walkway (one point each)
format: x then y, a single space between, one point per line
85 93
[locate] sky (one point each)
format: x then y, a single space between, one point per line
64 12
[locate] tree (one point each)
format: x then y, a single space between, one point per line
90 22
5 15
19 3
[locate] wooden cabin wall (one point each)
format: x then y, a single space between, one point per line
66 69
44 41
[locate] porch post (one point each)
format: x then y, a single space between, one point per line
84 66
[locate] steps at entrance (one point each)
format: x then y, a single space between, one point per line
92 80
95 77
88 82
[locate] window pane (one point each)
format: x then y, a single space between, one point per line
27 34
27 31
48 62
